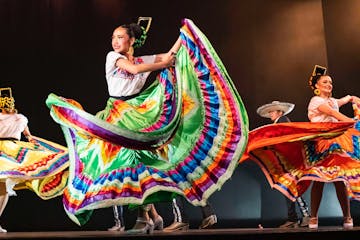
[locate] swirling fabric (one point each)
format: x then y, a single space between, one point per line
292 155
184 135
41 166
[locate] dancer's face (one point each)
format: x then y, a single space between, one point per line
275 115
121 41
324 84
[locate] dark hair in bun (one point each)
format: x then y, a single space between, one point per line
136 31
314 79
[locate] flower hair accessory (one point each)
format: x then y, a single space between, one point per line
141 40
317 71
7 102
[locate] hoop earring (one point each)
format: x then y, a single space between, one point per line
316 91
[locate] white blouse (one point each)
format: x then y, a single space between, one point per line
122 83
12 125
315 115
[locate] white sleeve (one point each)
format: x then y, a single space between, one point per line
111 59
315 102
147 59
21 121
313 111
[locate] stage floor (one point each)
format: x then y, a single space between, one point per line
209 234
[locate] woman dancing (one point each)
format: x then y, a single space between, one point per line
292 155
181 136
36 164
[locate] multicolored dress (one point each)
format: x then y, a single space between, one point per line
291 155
39 165
183 135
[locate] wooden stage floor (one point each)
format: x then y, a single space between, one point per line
209 234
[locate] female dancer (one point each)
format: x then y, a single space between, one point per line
277 112
38 164
325 108
292 155
182 135
126 78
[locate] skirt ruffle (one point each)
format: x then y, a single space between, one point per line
291 155
41 166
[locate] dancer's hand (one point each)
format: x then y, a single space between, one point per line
170 59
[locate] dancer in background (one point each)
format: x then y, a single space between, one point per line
276 111
295 154
181 219
36 164
323 107
118 218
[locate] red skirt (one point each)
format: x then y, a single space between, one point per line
293 154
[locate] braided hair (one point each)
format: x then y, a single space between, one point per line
314 79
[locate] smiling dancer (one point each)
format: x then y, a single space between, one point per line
325 150
181 136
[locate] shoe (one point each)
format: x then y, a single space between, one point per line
158 223
208 222
305 221
2 230
117 228
177 226
142 226
348 223
289 224
313 223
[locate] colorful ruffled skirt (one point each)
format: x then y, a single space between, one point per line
40 165
291 155
183 135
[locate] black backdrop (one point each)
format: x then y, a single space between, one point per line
268 47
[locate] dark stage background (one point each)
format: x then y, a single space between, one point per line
268 47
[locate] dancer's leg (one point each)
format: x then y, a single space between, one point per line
292 220
4 197
303 207
118 218
316 196
153 212
181 221
207 210
143 224
344 201
209 216
343 198
304 211
157 219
